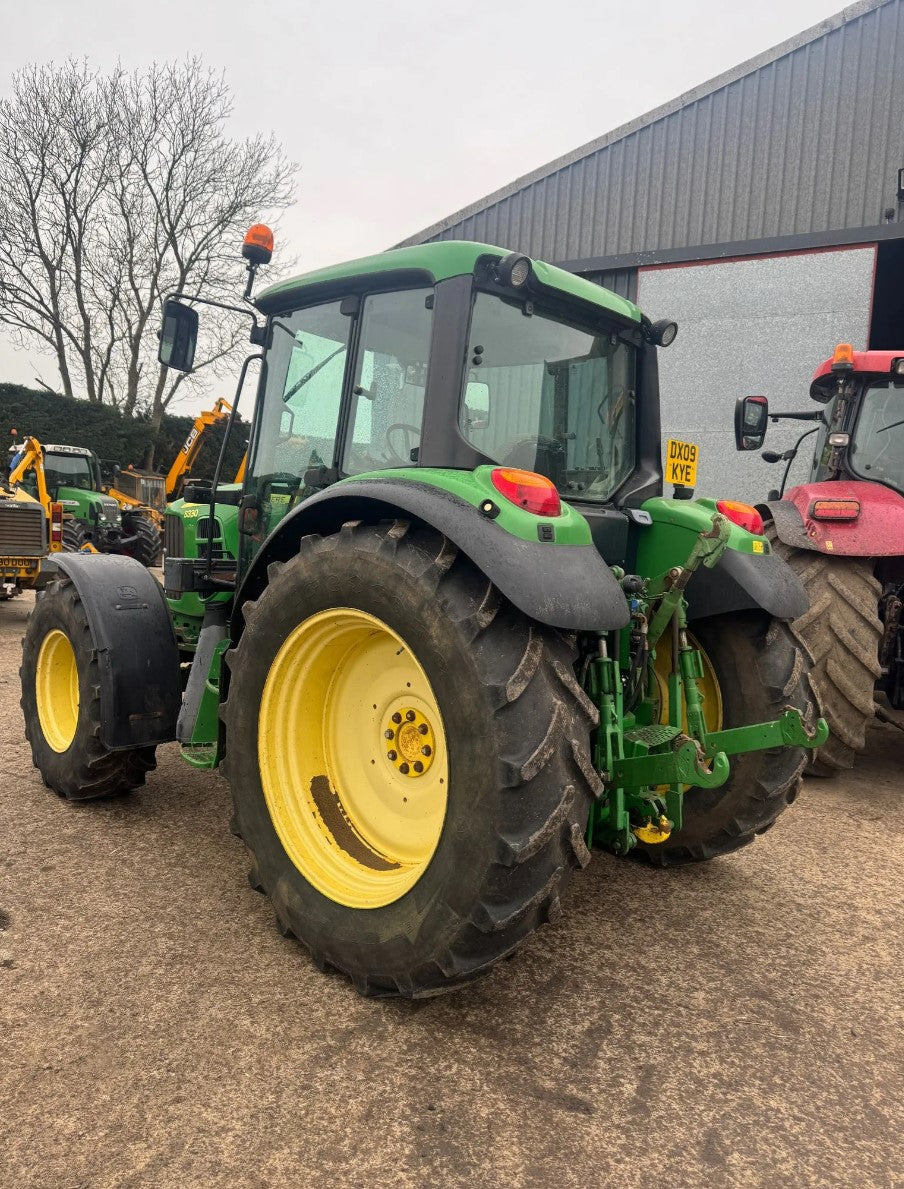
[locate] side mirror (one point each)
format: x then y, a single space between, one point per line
751 420
477 404
178 336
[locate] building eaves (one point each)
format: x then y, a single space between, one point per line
851 13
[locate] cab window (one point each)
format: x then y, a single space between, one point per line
390 381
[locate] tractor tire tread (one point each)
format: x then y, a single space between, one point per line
149 546
841 632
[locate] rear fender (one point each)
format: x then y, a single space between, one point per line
747 577
877 531
563 585
140 688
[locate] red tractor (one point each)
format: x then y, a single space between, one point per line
843 533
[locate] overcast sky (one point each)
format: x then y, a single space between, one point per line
400 112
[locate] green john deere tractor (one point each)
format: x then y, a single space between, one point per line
450 636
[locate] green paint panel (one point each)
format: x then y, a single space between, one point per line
475 488
675 528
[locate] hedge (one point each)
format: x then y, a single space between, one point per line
110 434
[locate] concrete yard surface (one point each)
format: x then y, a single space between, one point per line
735 1023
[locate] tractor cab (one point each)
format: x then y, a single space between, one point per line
863 392
141 487
859 433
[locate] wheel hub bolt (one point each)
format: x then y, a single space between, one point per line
425 751
403 768
388 734
410 715
397 717
423 728
392 755
418 766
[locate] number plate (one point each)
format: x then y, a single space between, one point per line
681 462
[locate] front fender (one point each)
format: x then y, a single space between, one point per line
131 630
566 586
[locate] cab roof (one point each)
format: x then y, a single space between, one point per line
429 263
80 450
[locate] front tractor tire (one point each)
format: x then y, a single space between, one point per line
74 536
147 546
409 759
842 632
61 703
753 671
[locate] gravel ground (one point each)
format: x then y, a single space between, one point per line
737 1023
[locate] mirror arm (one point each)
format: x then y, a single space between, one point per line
817 416
257 331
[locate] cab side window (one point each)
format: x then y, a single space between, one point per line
390 381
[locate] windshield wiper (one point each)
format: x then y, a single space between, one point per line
311 374
894 425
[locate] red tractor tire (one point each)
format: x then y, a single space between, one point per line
841 631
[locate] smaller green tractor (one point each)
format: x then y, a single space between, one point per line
95 520
448 635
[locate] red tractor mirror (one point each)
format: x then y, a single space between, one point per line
751 421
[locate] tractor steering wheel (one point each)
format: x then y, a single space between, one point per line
411 433
523 451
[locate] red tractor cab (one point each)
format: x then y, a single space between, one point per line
843 532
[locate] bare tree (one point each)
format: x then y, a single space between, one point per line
116 190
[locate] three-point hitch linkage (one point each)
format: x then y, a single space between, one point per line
647 764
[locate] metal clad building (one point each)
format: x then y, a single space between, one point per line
787 165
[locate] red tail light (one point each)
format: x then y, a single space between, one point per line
744 515
835 509
535 493
56 527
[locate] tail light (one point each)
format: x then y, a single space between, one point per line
535 493
56 528
744 515
835 509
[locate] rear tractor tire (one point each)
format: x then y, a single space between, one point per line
842 632
61 703
409 759
148 547
753 671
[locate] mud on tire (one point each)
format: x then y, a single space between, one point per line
518 729
841 631
87 769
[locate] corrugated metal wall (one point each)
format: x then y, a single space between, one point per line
808 142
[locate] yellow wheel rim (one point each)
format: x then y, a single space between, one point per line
710 692
352 758
56 690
